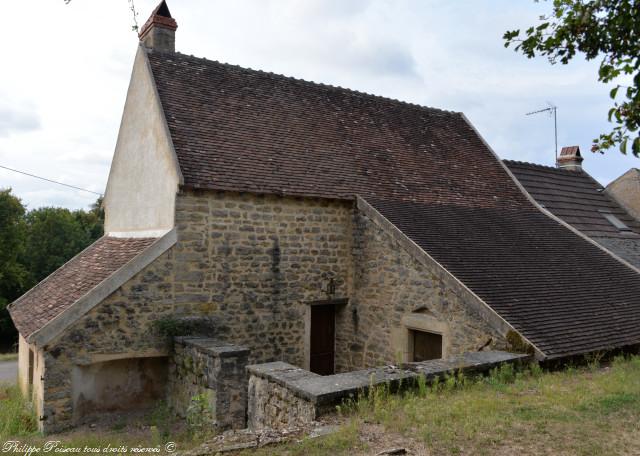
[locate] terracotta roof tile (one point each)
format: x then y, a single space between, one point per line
73 280
245 130
575 197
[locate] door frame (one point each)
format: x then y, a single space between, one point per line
307 326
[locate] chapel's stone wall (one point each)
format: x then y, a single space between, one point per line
255 262
248 266
248 263
394 292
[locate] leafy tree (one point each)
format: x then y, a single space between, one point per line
608 30
92 221
54 235
34 244
13 275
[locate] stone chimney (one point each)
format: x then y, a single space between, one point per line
159 32
570 159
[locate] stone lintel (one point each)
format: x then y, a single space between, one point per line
333 302
106 357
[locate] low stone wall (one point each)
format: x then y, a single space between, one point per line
213 370
276 407
282 395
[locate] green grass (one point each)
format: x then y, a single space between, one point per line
582 411
18 422
577 411
16 417
8 357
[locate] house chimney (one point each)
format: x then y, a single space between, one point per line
570 159
159 32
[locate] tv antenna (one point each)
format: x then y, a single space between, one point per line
553 111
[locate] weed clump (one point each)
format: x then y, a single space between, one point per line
17 417
200 417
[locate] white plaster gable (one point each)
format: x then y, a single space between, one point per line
145 174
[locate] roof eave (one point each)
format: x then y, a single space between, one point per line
601 349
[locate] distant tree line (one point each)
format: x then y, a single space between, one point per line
35 243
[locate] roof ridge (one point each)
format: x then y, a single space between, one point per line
582 174
547 167
307 82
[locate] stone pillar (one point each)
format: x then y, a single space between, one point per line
215 370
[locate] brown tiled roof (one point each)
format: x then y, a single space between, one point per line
575 197
244 130
426 170
73 280
562 293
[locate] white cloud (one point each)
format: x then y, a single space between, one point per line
15 120
17 116
70 67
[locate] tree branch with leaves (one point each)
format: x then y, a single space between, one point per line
134 14
608 30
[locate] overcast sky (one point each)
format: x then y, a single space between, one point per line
66 69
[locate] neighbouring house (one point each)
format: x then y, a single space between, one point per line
626 191
570 193
299 222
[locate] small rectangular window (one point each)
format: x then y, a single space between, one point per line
615 221
426 345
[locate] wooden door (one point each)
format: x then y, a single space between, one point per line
426 346
322 343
